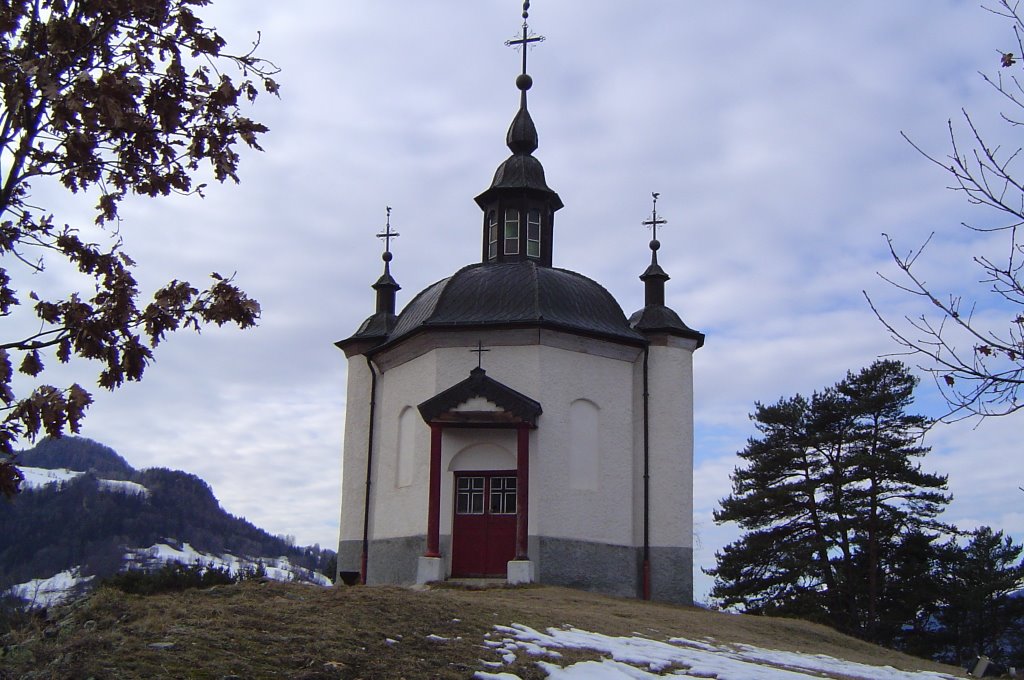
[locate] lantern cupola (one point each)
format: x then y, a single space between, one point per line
519 207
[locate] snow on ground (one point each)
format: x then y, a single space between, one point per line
48 592
37 478
58 589
128 488
277 568
638 658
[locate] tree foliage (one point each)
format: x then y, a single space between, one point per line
110 98
832 499
980 613
975 349
842 527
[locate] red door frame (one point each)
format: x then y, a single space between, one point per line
522 491
483 531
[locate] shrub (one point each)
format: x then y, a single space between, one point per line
173 576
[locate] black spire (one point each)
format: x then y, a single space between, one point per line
654 277
519 207
377 327
655 318
386 285
522 134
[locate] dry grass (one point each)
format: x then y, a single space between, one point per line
265 629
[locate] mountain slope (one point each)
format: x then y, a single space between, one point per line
76 453
83 506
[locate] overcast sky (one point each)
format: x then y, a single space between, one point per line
771 130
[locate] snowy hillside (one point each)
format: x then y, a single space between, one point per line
277 568
37 478
84 514
69 584
57 589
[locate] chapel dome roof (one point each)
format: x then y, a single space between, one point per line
503 294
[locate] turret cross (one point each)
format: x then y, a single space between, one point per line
387 234
527 38
655 220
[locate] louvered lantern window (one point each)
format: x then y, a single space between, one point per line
492 235
533 233
511 232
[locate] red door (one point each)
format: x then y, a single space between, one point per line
484 525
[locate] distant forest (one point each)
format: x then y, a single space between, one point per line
45 531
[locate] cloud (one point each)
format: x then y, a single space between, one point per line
771 131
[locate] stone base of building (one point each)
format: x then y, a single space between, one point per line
586 565
521 571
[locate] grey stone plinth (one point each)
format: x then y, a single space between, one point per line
521 571
429 569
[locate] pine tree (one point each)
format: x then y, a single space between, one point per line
827 495
911 594
980 613
782 563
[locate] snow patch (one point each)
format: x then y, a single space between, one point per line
52 591
127 488
639 658
38 478
276 568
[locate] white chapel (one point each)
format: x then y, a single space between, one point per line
561 452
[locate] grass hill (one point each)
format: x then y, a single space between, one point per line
264 629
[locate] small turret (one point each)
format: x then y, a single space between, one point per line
655 317
376 328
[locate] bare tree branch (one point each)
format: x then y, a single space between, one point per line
976 361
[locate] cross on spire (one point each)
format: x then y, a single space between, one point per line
527 38
655 220
479 351
387 235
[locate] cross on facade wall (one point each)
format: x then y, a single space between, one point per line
479 351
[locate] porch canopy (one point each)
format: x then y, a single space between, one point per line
480 401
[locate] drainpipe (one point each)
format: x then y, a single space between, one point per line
647 500
369 472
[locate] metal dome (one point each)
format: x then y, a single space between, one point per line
516 294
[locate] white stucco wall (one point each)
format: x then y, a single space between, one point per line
556 377
671 444
602 505
401 510
564 510
353 464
